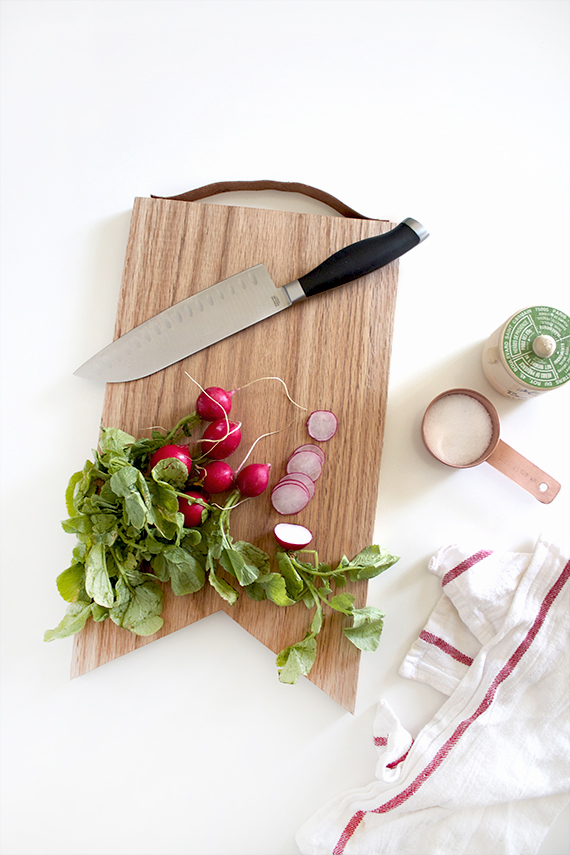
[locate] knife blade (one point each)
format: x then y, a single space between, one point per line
232 305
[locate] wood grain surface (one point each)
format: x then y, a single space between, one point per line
332 351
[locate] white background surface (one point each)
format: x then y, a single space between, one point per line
455 113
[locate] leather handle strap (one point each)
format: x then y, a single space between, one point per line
286 186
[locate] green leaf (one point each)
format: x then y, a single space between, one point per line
97 582
275 589
256 558
104 528
123 480
145 492
71 582
79 525
366 630
212 539
172 471
192 538
370 562
185 572
106 500
79 553
80 487
296 661
317 621
234 562
255 592
343 603
103 522
114 440
293 581
75 618
167 519
98 613
222 588
138 608
69 493
150 546
136 511
161 567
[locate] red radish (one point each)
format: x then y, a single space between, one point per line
301 478
289 497
220 439
316 449
194 513
322 425
213 402
219 476
253 479
179 452
291 536
307 462
200 491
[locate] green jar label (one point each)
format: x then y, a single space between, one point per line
519 336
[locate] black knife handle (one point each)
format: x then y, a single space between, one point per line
363 257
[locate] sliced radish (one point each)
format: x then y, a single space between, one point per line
322 425
291 536
307 462
301 478
289 497
308 446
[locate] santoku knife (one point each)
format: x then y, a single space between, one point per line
237 303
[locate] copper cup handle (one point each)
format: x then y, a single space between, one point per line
524 473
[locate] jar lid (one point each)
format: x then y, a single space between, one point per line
536 346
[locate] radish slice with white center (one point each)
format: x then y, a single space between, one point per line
308 446
307 462
301 478
322 425
291 536
289 497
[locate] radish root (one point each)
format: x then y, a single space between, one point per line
280 381
201 388
240 467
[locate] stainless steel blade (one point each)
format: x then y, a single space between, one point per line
189 326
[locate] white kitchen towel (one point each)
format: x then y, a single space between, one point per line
491 771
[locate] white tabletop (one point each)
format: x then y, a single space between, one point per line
453 113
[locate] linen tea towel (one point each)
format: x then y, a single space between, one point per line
491 771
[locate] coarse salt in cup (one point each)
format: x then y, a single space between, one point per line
461 428
458 429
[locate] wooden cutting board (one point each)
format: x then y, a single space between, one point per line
332 351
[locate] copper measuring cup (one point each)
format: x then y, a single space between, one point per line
499 454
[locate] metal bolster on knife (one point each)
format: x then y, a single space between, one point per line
294 291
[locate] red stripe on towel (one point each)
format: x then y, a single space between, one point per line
446 748
399 760
465 565
456 654
380 740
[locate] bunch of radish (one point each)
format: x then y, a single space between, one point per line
294 490
210 474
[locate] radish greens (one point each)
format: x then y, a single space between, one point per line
132 539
